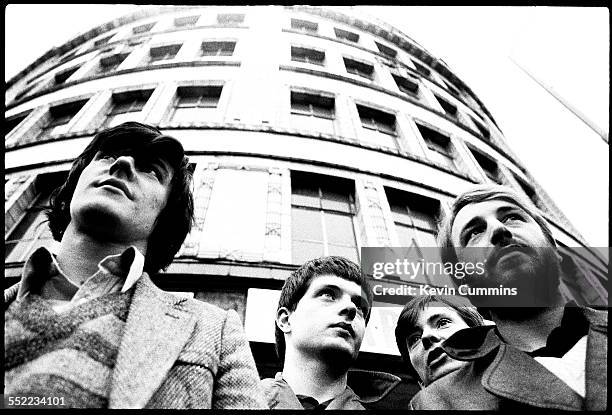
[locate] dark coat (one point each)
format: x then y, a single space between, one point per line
501 377
365 390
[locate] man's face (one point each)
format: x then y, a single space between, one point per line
119 197
329 319
436 323
507 240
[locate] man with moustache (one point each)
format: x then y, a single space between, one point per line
320 322
542 353
86 327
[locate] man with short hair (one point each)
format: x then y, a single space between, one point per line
542 353
320 322
86 324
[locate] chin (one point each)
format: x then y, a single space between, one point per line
340 353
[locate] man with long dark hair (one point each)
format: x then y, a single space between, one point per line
87 325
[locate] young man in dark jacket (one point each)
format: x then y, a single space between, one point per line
320 322
542 353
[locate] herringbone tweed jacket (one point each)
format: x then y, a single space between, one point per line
180 353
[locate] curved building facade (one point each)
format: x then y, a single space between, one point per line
310 131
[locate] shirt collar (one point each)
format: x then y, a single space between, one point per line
41 267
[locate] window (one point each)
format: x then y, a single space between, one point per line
142 28
484 131
305 55
230 18
449 109
451 88
59 117
530 192
29 230
359 68
488 165
185 21
346 35
304 25
379 126
322 211
221 48
28 89
163 53
103 41
69 55
61 77
408 86
423 70
312 111
11 123
111 63
414 217
386 50
195 102
439 145
124 106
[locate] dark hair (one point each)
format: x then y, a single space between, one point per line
298 282
410 314
173 223
479 194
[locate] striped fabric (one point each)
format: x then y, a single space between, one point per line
70 354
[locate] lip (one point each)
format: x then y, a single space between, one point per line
504 251
117 184
345 326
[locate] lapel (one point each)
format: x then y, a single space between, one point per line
513 374
155 332
517 376
596 369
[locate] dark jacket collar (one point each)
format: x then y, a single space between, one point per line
362 387
531 383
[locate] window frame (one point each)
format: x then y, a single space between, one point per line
346 35
355 67
331 184
304 25
220 51
307 55
328 107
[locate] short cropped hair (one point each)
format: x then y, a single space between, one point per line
479 194
173 223
298 282
409 316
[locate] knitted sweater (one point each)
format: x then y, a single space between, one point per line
70 355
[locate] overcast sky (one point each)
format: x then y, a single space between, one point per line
566 48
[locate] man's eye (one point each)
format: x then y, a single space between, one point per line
152 169
511 217
469 235
328 294
413 340
443 322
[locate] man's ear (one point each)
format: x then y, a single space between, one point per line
282 319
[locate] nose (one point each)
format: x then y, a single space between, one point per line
348 307
123 165
429 338
500 234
